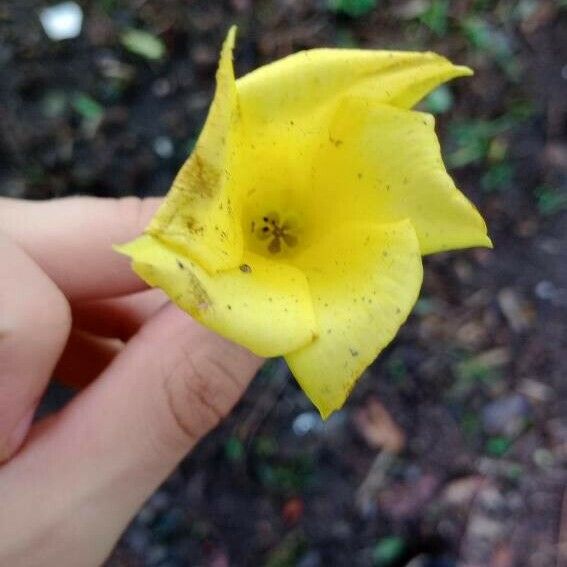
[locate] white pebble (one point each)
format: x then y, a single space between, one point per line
62 21
163 147
305 422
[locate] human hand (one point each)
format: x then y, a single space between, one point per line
157 380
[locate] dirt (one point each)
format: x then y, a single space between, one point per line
452 448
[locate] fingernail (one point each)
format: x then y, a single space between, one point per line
16 438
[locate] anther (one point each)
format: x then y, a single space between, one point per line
271 229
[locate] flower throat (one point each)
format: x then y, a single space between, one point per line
276 234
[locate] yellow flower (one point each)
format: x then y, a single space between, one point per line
297 225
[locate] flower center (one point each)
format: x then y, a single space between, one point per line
276 234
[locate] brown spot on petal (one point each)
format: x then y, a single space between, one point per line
199 177
198 292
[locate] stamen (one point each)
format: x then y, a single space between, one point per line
263 232
270 228
275 246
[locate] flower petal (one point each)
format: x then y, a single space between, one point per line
364 281
198 217
388 162
277 161
262 305
303 82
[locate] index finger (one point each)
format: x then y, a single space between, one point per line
71 239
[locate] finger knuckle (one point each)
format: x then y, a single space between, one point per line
47 314
201 397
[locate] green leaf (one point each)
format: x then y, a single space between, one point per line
234 450
470 425
438 101
388 550
87 107
108 6
471 373
396 368
436 17
472 138
495 43
497 446
498 177
143 43
549 200
514 471
353 8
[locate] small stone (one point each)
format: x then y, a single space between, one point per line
112 68
62 21
506 416
535 391
543 458
519 315
163 147
491 499
493 358
306 422
545 290
161 88
461 492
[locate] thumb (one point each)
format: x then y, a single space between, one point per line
118 440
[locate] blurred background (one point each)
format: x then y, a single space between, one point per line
452 449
